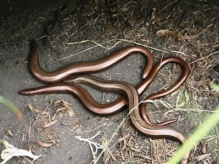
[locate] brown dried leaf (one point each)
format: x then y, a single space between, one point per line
9 133
164 33
49 124
45 113
34 109
67 106
30 107
180 37
37 110
44 144
57 111
71 112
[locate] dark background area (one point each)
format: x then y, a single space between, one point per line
11 7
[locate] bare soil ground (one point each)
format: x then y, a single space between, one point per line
77 31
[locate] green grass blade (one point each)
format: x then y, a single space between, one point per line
13 108
199 133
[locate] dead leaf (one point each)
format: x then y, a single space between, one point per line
71 112
49 124
57 111
45 113
37 110
30 107
9 133
164 33
180 37
64 105
44 144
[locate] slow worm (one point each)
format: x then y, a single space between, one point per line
133 103
117 105
141 122
85 67
109 85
